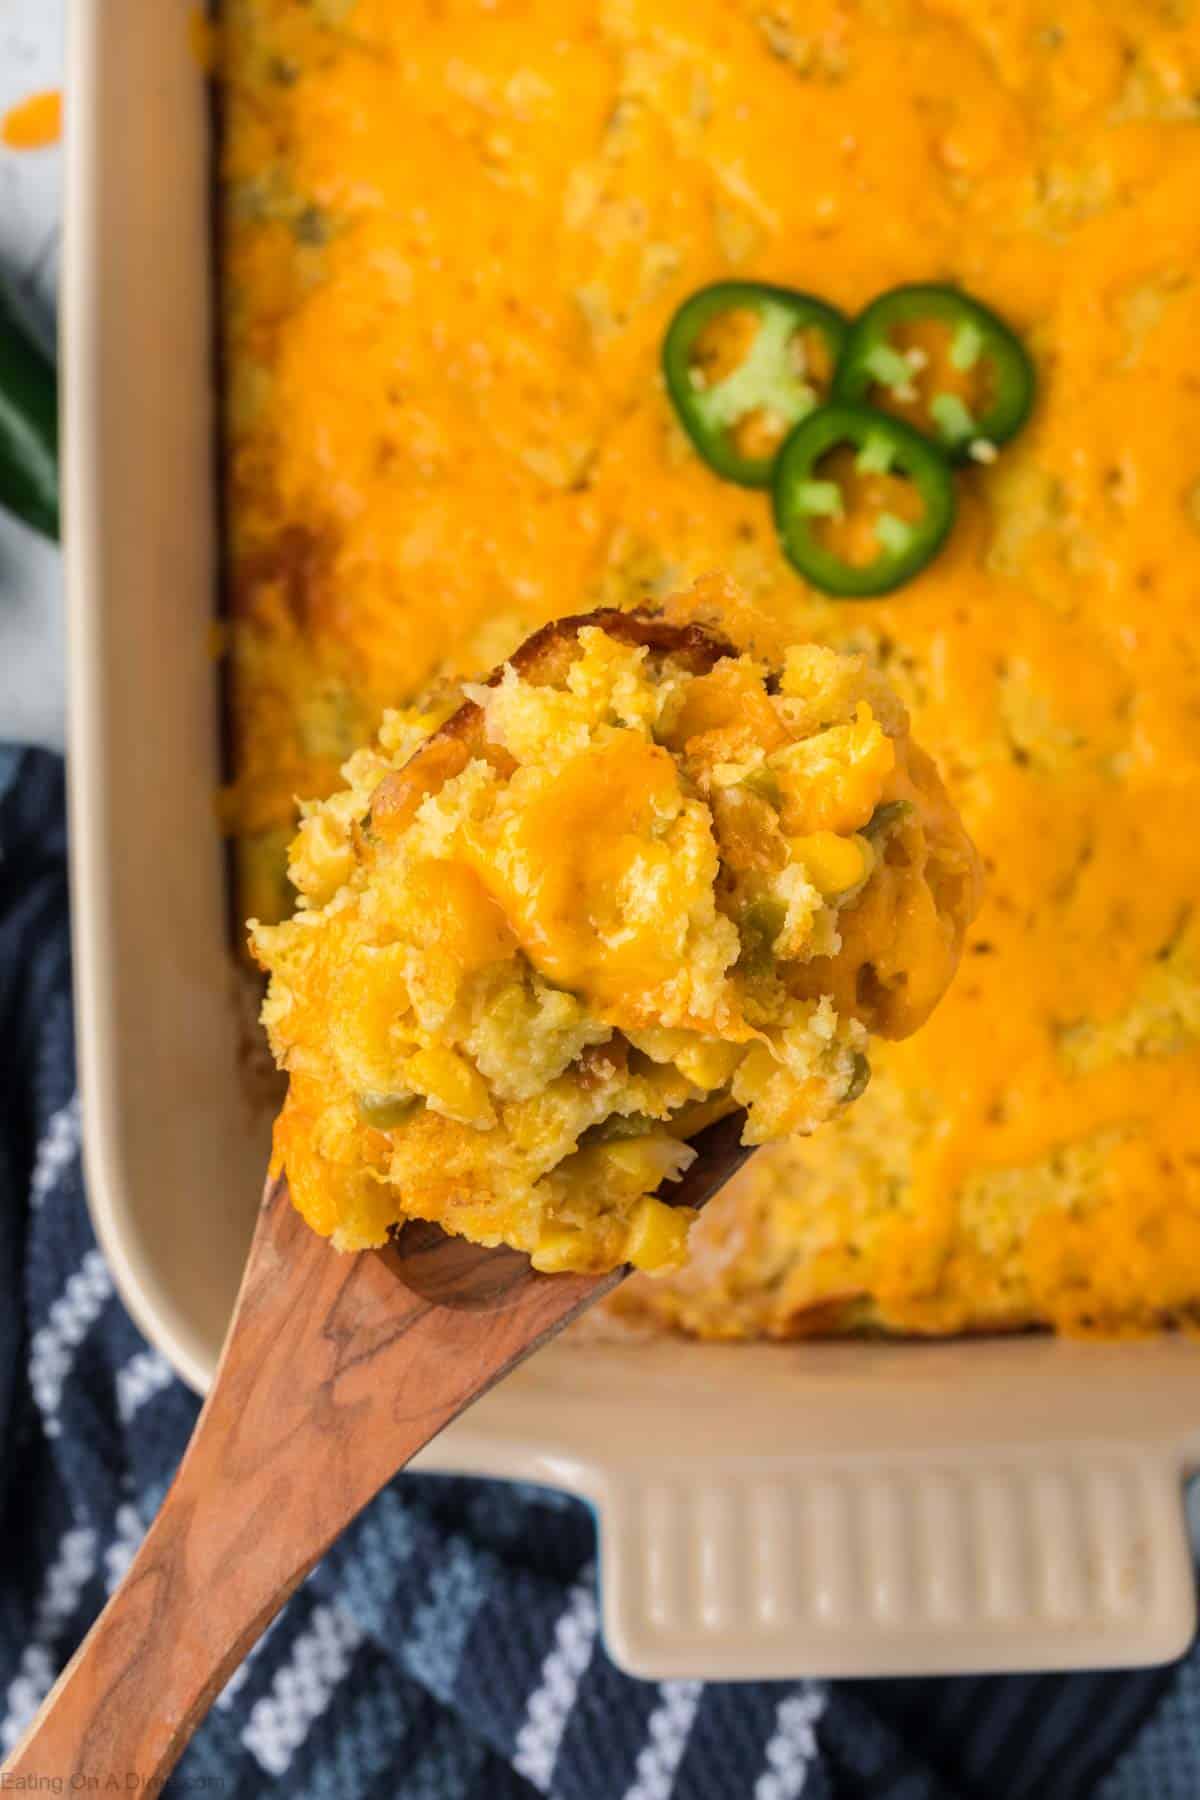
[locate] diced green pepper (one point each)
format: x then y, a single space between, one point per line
875 457
885 819
758 927
818 499
895 535
860 1077
386 1111
763 783
619 1126
953 419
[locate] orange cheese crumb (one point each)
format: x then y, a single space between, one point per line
34 123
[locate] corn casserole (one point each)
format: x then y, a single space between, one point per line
454 237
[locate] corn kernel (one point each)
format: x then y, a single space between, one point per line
833 864
367 1031
757 1069
708 1065
658 1234
559 1249
451 1086
833 780
647 1161
634 1157
322 857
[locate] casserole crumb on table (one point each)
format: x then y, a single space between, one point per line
634 883
452 244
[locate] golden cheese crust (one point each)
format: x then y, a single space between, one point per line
453 239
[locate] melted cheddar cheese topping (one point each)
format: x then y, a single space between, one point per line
454 237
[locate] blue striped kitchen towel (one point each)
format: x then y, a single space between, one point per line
447 1648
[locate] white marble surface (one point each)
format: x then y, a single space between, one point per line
31 621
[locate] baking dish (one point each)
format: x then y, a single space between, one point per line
850 1508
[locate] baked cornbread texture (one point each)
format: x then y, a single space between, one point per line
636 881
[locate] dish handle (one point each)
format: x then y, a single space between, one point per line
983 1562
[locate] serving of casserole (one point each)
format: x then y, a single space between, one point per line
451 251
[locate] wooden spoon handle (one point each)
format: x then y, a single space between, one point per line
334 1374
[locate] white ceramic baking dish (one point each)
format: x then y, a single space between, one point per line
763 1511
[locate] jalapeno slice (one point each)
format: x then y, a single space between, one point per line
744 362
862 501
944 363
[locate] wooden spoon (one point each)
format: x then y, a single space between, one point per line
336 1370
